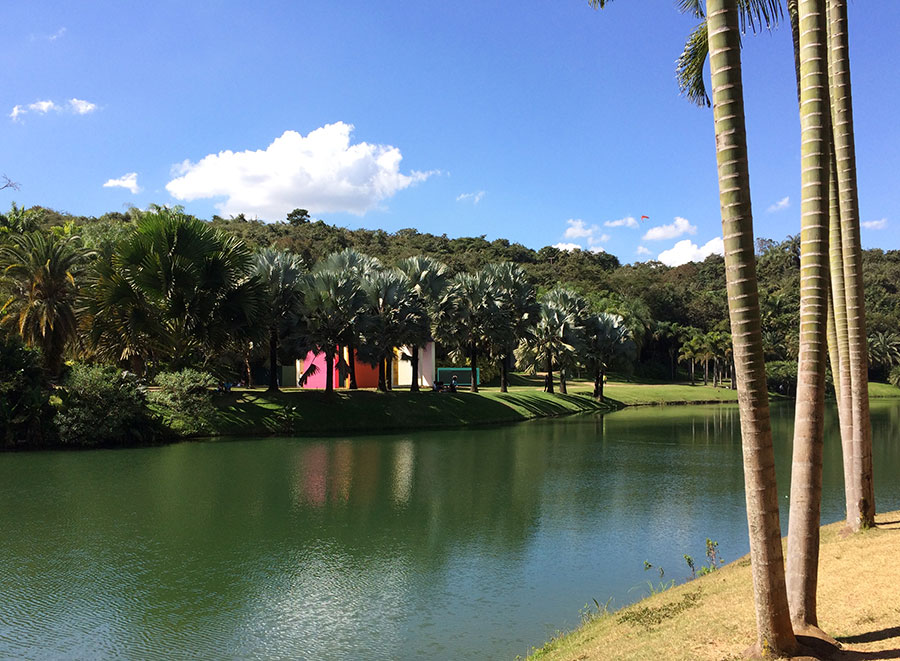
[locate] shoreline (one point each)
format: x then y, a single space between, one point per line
712 617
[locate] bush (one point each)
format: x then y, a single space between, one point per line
894 376
185 401
782 376
104 406
25 412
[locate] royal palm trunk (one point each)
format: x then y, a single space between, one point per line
775 635
861 484
809 418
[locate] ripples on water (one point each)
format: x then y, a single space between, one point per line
462 544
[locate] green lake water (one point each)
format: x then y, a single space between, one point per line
475 543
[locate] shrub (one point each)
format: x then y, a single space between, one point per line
104 406
185 401
782 376
25 410
894 376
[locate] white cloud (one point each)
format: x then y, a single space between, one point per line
577 229
781 204
622 222
321 172
75 106
597 249
81 107
568 247
686 251
641 250
670 231
474 197
128 181
874 224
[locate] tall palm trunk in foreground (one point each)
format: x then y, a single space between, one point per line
840 355
806 466
861 486
775 635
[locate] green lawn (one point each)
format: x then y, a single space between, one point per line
294 411
309 412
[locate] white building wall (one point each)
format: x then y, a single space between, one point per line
403 372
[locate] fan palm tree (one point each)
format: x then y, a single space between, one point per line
517 310
606 340
395 317
427 278
553 340
172 292
575 310
359 268
464 315
42 273
328 309
281 276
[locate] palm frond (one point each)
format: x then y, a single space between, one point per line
695 8
690 66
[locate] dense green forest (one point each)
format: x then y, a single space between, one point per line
691 295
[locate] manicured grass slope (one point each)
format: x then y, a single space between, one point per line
313 412
294 411
712 617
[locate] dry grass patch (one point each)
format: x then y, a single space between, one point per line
712 617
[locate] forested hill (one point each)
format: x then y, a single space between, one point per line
692 294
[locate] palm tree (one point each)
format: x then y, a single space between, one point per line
691 349
574 309
850 370
809 425
42 273
774 632
358 267
517 308
671 335
428 279
884 350
328 309
464 315
607 339
553 340
281 275
862 494
173 293
395 317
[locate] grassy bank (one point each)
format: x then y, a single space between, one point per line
304 412
712 617
293 411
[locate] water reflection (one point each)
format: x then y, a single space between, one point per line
474 543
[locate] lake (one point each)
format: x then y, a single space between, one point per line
473 543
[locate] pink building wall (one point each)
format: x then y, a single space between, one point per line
317 380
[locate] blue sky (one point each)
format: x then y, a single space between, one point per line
541 122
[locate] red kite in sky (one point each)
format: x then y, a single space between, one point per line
645 217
